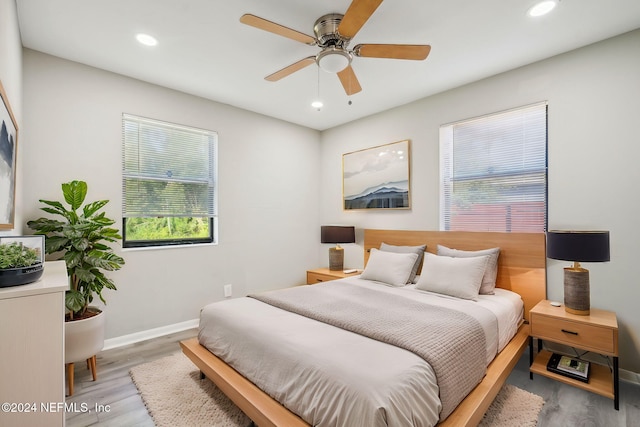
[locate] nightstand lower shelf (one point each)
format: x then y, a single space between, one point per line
600 381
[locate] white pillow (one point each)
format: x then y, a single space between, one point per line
490 273
457 277
404 249
389 267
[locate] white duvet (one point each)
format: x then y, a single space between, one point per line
332 377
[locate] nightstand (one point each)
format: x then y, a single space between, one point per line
320 275
596 332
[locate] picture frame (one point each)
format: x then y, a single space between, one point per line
8 151
571 367
377 177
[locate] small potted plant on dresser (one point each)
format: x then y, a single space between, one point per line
82 236
21 260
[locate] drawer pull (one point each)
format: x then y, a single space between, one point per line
569 332
319 280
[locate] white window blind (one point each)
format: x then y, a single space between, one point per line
493 172
168 169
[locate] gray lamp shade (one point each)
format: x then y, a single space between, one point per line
337 234
578 246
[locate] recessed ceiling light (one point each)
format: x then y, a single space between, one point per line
146 39
542 8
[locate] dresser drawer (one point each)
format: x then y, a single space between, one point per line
575 334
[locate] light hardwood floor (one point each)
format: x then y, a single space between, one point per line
114 386
565 406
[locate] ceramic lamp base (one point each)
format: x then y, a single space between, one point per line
576 291
336 258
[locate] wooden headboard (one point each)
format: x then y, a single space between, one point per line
521 265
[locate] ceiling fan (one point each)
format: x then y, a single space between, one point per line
333 32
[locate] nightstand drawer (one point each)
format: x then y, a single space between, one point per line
313 277
575 334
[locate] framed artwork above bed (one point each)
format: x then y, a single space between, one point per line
377 177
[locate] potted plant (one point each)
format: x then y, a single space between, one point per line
21 260
82 238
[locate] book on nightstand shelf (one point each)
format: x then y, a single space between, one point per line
569 367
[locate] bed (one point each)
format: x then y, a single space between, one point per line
521 270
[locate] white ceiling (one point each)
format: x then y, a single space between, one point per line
204 50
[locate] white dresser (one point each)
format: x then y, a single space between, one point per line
32 387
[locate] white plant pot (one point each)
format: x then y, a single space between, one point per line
83 338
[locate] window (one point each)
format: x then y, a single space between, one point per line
493 172
169 182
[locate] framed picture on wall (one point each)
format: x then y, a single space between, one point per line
8 143
377 177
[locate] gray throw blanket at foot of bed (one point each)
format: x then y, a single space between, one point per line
452 342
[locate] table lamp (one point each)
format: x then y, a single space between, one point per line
577 246
337 234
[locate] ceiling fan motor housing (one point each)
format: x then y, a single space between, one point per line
326 31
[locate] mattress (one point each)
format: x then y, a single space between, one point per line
333 377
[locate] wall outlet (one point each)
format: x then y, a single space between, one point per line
227 291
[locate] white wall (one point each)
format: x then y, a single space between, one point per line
594 106
11 78
268 187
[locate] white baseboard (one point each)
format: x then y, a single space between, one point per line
629 376
148 334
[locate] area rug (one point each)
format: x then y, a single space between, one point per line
174 396
513 407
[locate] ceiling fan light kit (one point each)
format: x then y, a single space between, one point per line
333 60
333 32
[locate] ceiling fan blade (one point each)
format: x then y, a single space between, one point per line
354 18
393 51
290 69
272 27
349 81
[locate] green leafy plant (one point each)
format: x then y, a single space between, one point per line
15 255
83 237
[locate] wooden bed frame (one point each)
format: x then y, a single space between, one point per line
521 269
